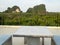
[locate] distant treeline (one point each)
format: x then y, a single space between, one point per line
36 16
50 19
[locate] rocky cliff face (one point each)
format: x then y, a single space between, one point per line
14 9
39 9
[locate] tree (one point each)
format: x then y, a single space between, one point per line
0 20
9 10
29 10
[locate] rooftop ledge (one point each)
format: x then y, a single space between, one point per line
20 26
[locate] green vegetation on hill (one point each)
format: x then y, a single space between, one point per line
36 16
50 19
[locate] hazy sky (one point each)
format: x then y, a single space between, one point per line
51 5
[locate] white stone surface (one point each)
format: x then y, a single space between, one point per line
35 31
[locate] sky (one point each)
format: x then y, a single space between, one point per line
51 5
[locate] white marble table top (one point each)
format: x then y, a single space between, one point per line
34 31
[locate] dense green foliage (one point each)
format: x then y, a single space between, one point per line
49 19
36 16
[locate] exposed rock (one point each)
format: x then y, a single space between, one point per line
14 9
39 9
